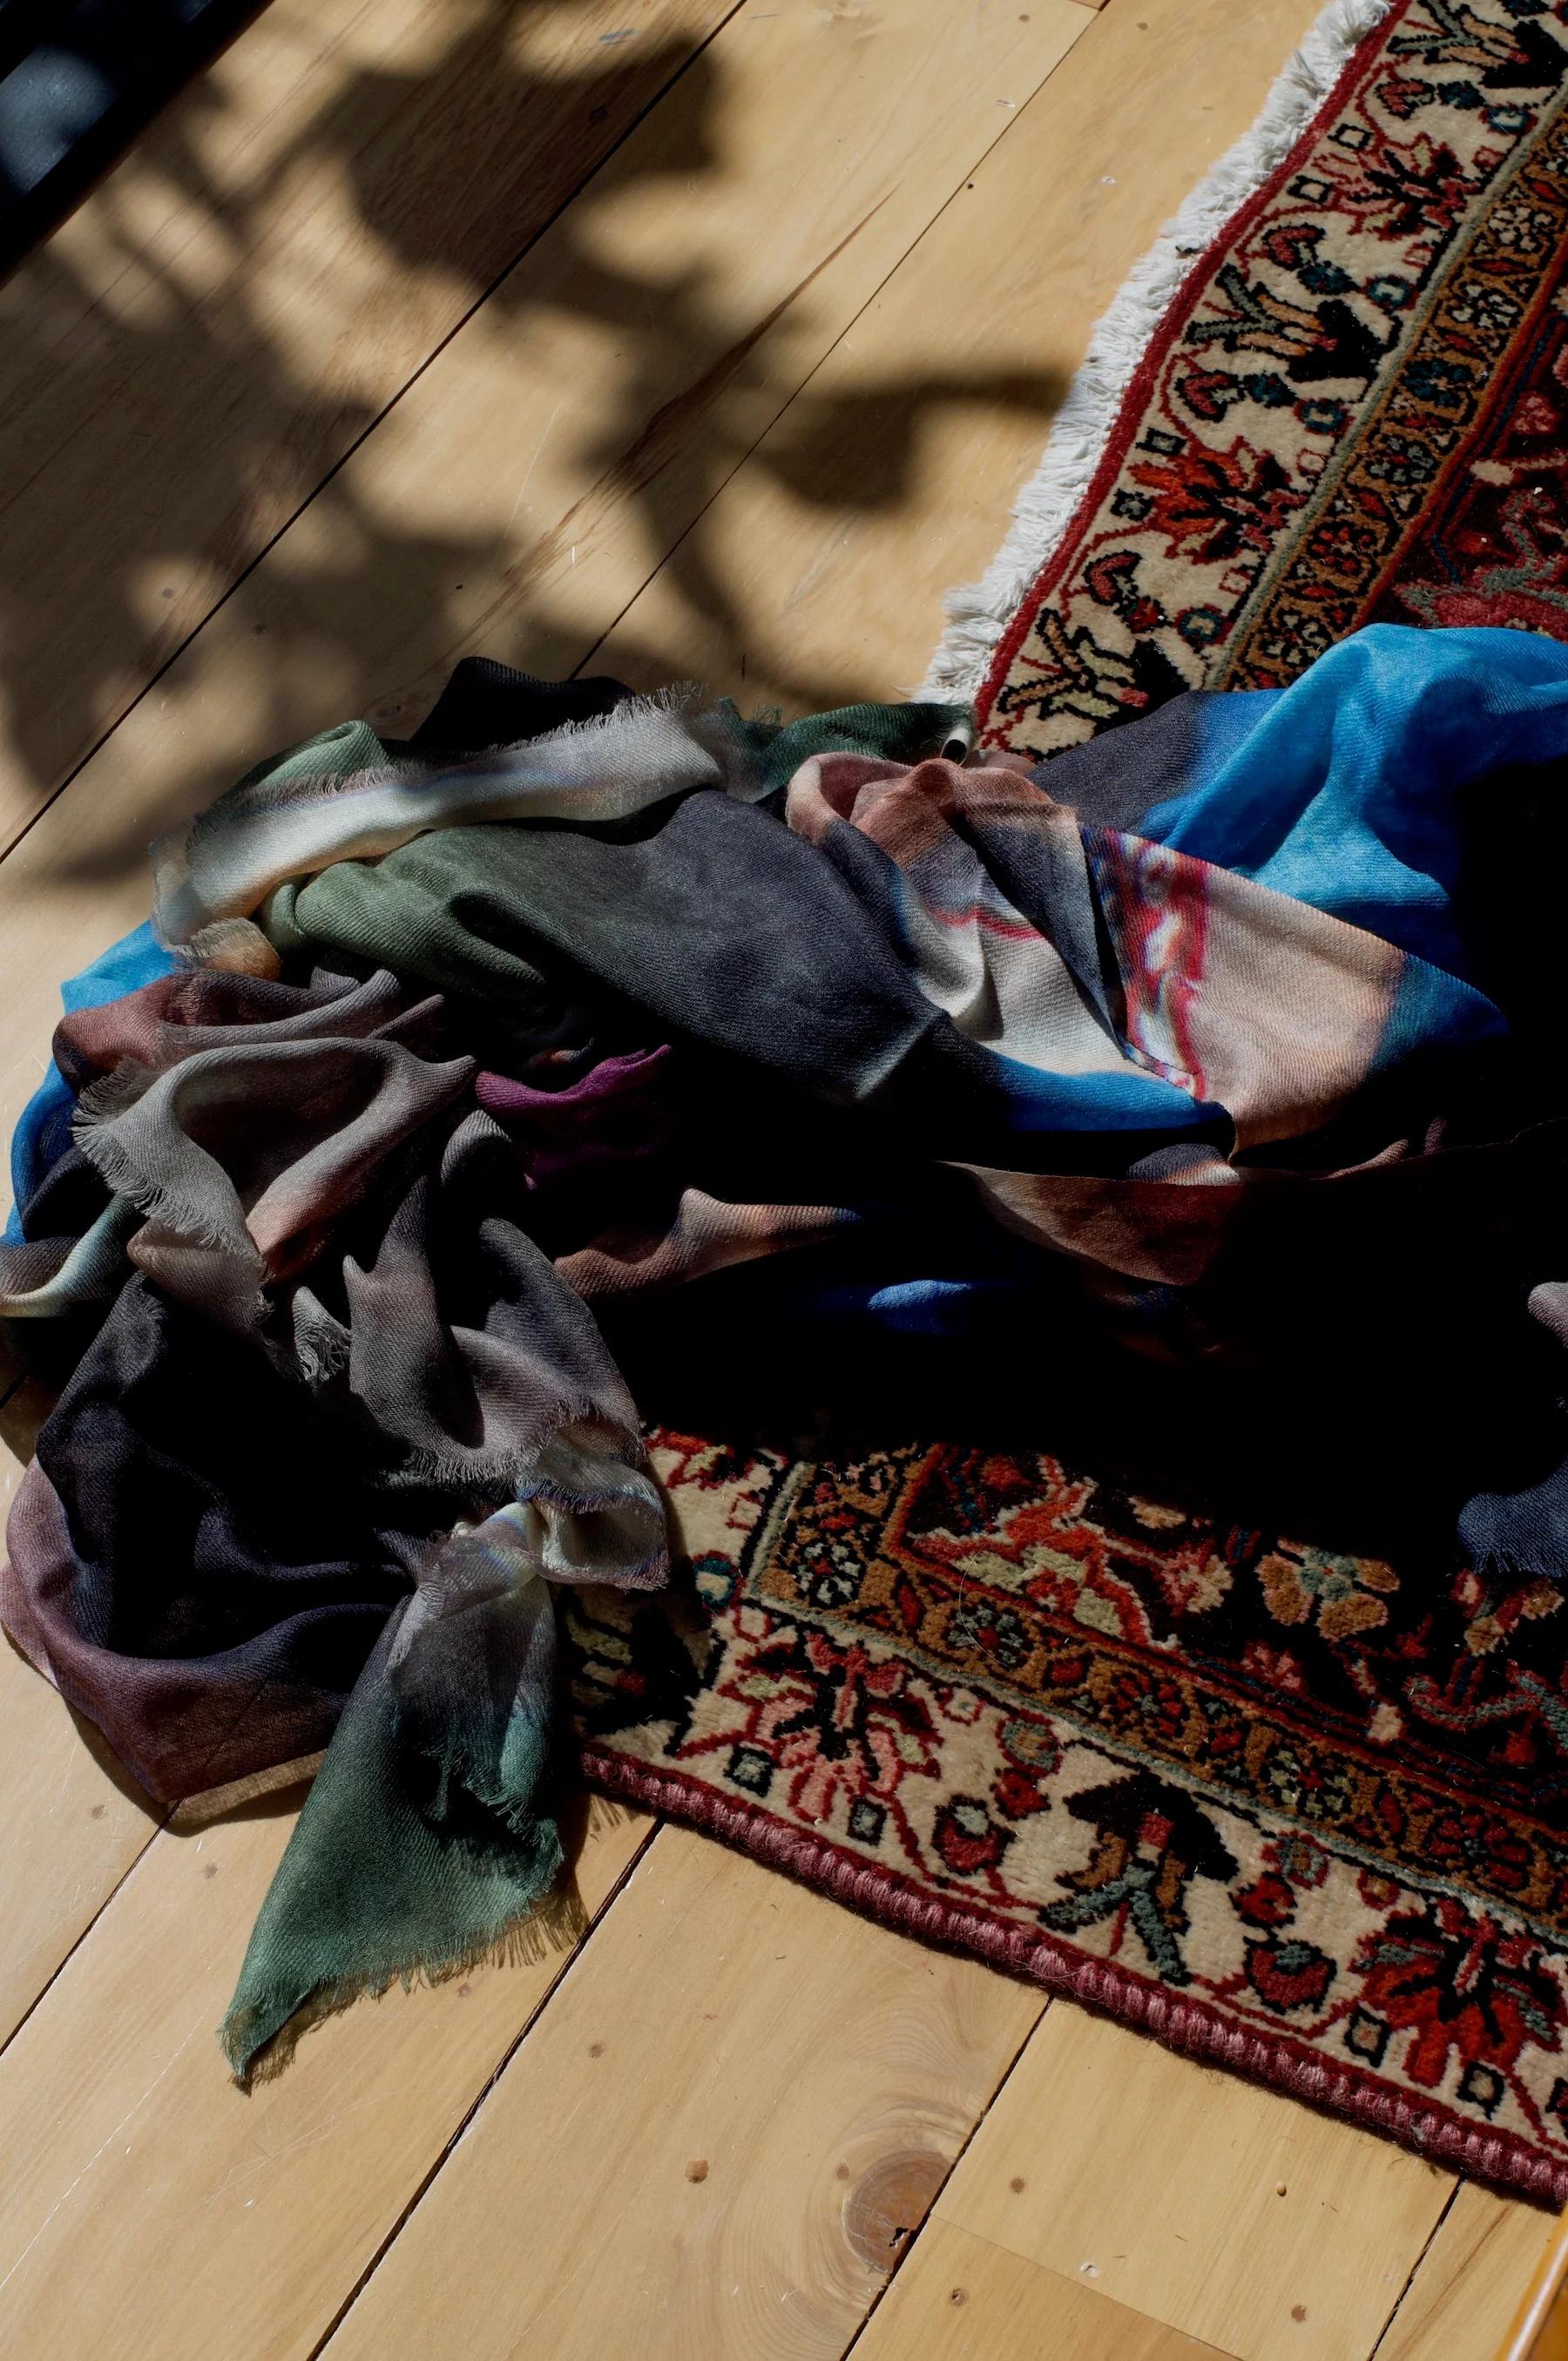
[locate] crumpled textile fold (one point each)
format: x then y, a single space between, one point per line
43 1131
429 1370
1224 1037
345 795
422 1843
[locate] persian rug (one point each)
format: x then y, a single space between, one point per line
1353 411
1291 1807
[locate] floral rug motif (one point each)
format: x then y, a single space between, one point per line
1302 1813
1296 1812
1353 412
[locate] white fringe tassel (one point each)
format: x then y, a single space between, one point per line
980 614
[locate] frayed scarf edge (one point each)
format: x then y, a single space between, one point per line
156 1200
979 613
519 1938
712 733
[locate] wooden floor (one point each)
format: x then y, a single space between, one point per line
693 339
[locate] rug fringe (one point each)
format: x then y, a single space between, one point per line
980 612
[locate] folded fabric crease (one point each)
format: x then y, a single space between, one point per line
1212 1039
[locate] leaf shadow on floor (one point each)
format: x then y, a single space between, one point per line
455 175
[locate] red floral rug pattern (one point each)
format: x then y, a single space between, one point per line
1357 408
1297 1812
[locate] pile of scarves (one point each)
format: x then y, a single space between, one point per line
1229 1036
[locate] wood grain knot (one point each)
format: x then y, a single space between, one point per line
888 2203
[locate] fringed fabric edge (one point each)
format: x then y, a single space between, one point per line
521 1938
980 612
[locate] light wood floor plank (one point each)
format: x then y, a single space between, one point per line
1225 2210
74 1822
892 475
713 2143
193 351
675 325
73 1826
150 2210
549 459
958 2298
1470 2282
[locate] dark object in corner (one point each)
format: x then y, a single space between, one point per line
78 80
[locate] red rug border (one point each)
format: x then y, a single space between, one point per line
1427 2128
1134 398
1196 2028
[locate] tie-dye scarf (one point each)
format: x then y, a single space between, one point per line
347 796
1223 1036
458 1393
